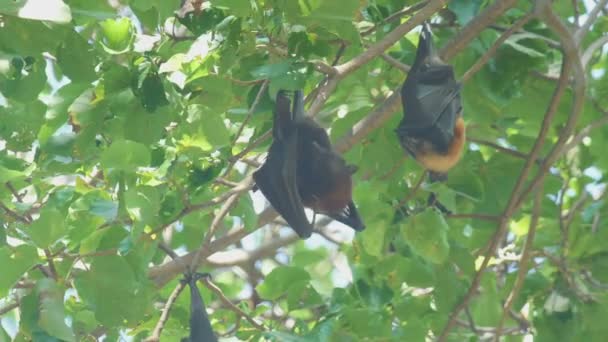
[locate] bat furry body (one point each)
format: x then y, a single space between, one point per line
303 170
432 129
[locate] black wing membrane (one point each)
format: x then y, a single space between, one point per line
200 328
277 178
430 97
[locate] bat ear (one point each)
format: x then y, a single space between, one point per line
352 168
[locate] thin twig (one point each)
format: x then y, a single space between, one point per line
245 185
228 303
200 206
251 146
9 307
467 312
49 259
250 112
475 26
391 38
484 217
13 214
394 62
14 191
413 190
500 148
164 316
492 50
596 45
523 263
162 274
225 182
591 16
395 16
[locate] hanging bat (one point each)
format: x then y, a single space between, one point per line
432 129
302 170
200 327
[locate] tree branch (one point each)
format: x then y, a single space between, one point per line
164 316
591 16
228 303
498 43
523 263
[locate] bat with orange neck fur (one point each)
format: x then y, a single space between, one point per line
432 129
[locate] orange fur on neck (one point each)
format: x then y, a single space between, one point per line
443 162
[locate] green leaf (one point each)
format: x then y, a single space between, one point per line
373 239
29 37
281 280
210 125
52 313
426 233
109 284
47 10
125 155
213 91
85 10
96 202
24 87
241 8
48 228
16 261
118 35
465 10
7 175
76 58
143 204
487 308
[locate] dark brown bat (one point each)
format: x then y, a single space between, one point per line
432 129
200 327
303 170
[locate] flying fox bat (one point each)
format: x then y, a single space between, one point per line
200 327
432 129
302 170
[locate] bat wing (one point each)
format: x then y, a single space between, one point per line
431 103
283 124
200 328
277 178
277 181
350 217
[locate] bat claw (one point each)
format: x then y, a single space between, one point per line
195 276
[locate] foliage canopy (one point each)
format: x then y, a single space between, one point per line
129 130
